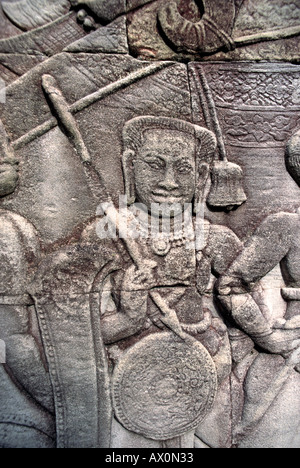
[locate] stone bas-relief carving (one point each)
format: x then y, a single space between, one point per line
274 241
209 29
157 176
115 334
24 365
33 30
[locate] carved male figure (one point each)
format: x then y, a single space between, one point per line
275 241
167 162
23 362
156 329
270 376
149 292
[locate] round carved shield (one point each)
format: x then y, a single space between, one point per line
163 387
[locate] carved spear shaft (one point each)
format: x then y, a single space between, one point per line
209 110
6 153
65 116
89 100
98 188
274 35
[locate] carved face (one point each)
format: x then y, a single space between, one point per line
165 168
8 179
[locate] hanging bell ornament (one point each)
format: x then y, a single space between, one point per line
227 186
227 190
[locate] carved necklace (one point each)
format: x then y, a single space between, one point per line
161 243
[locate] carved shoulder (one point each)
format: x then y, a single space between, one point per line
19 253
13 222
268 246
223 246
280 228
98 233
73 267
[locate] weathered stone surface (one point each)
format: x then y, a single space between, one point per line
169 318
202 29
110 39
258 109
46 208
106 11
29 15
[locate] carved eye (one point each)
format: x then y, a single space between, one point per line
5 169
156 165
184 169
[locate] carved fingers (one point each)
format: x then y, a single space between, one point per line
24 359
168 315
86 20
294 359
84 16
281 341
247 314
227 285
137 279
134 295
291 324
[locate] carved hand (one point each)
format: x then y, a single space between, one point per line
227 285
137 279
136 285
24 361
280 341
249 317
23 355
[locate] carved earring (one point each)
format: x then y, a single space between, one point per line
202 189
127 162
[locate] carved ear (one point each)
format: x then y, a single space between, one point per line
203 186
127 162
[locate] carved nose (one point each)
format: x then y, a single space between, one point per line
169 183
